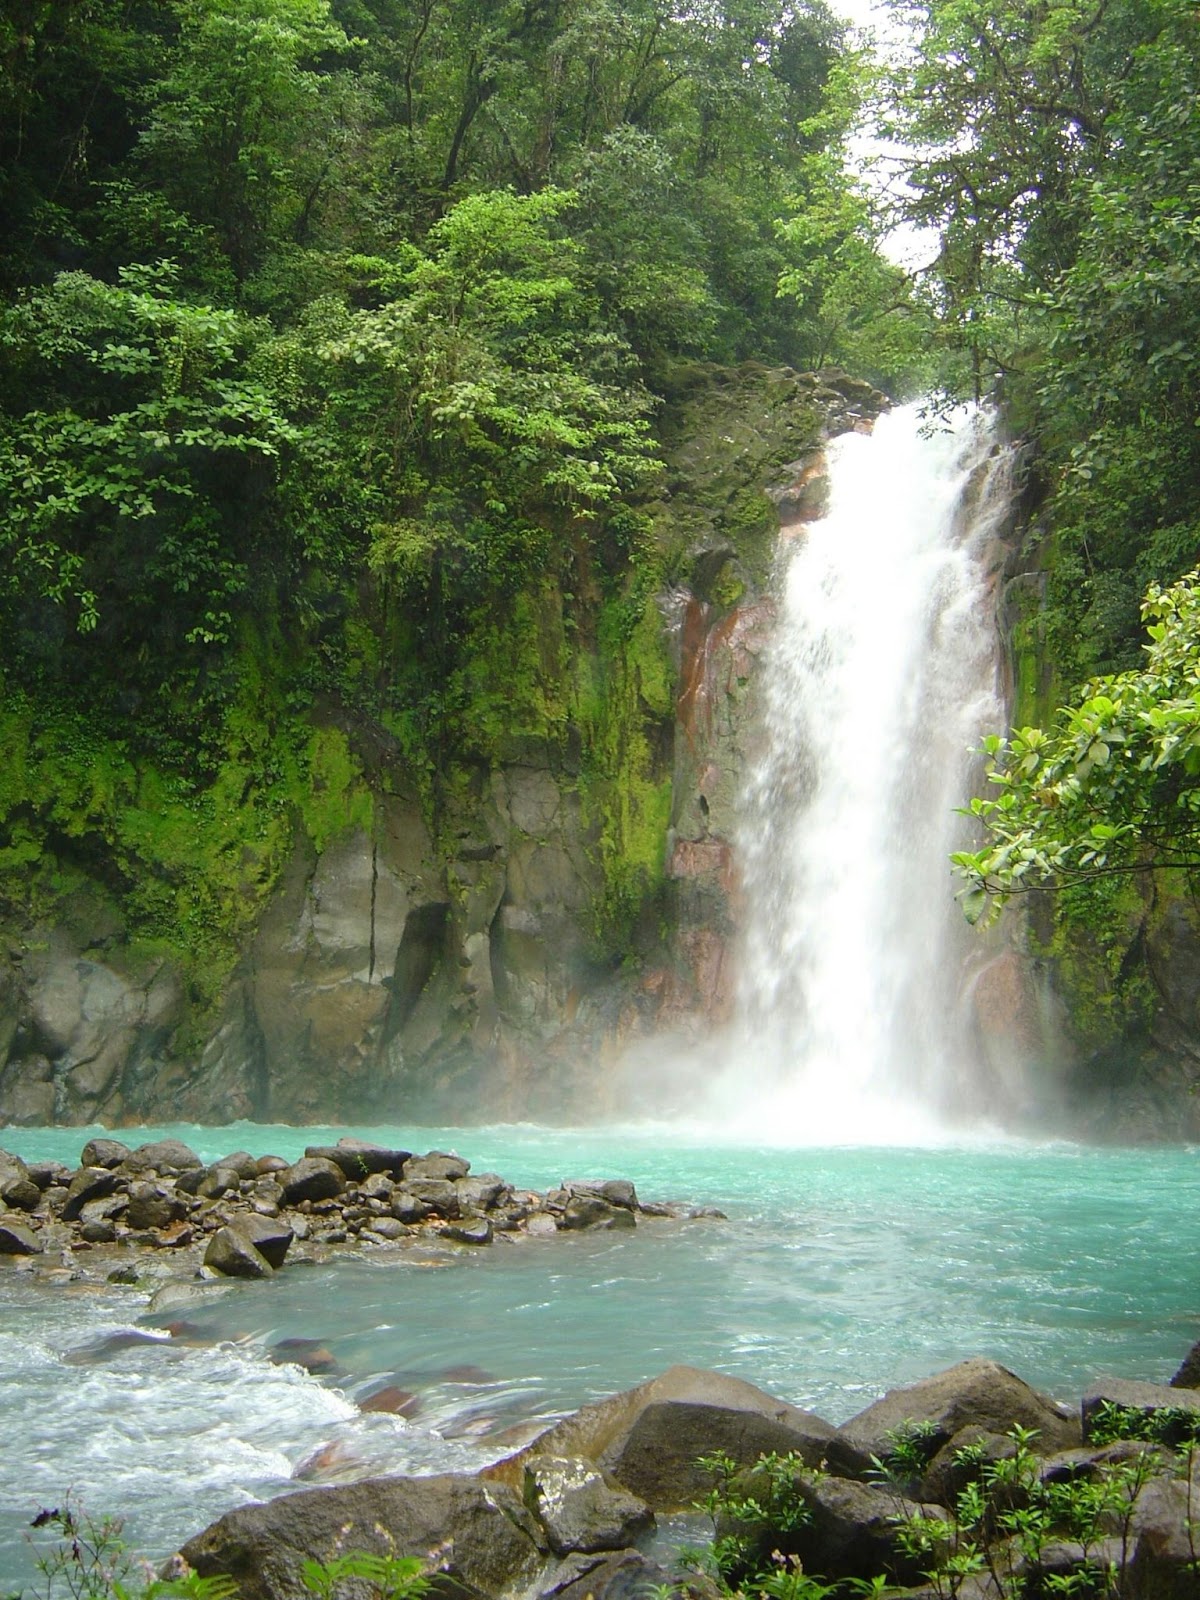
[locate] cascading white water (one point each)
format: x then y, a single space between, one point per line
881 678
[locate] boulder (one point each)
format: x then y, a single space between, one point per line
1165 1543
477 1230
406 1208
590 1211
241 1162
18 1240
217 1181
103 1153
51 1174
162 1155
617 1191
103 1210
853 1530
961 1460
89 1183
978 1393
1188 1376
650 1438
358 1158
153 1206
1145 1400
311 1178
377 1187
17 1188
439 1195
270 1237
627 1575
492 1546
482 1192
582 1510
389 1229
232 1253
437 1164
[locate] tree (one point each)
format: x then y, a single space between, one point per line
1114 787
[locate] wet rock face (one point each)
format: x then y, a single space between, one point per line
389 975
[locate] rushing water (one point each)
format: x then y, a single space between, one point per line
880 680
838 1273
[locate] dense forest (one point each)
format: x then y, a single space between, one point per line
337 332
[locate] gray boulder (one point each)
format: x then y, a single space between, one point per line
18 1240
437 1164
311 1178
476 1230
591 1211
358 1158
492 1545
89 1183
961 1460
1166 1546
218 1180
582 1510
162 1155
627 1575
482 1192
153 1206
269 1236
650 1438
241 1162
439 1195
853 1530
103 1153
17 1188
617 1191
975 1393
233 1254
1188 1376
51 1174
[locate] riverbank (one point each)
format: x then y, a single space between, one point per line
244 1216
837 1269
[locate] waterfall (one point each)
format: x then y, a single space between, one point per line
881 679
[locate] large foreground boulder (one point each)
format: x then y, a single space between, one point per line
479 1534
976 1393
650 1438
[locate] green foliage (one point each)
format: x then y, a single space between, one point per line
910 1448
1173 1426
373 1577
336 336
1111 789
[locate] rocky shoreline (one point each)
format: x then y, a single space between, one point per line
569 1516
243 1216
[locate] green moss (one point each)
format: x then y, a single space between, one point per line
625 696
329 790
1096 947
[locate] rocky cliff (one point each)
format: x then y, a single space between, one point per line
483 945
